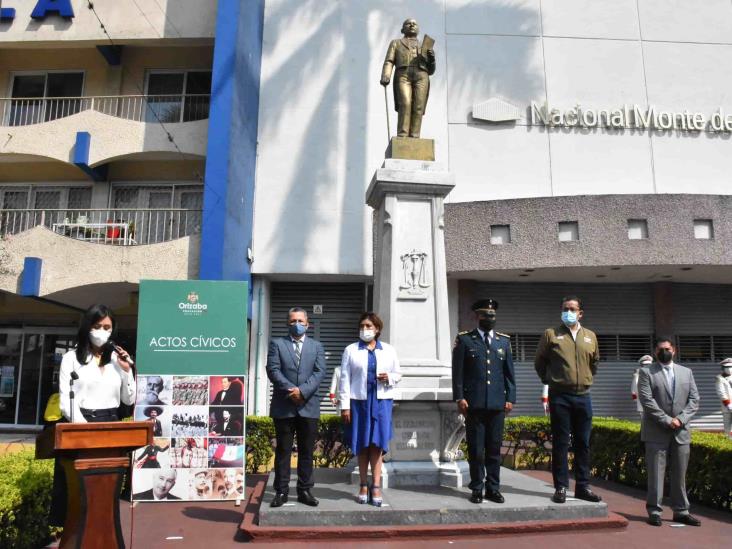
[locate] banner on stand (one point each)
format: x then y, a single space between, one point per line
191 362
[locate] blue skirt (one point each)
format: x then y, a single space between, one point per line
370 423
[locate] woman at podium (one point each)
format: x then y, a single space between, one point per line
369 373
94 379
96 376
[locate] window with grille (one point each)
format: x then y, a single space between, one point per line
624 348
157 196
700 348
523 347
38 197
158 213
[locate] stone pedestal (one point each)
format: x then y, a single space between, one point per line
410 295
424 450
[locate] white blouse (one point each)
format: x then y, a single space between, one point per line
97 388
354 373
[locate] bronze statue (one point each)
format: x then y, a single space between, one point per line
414 65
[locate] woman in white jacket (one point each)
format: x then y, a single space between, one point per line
369 373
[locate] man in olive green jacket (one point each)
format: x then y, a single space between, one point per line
566 360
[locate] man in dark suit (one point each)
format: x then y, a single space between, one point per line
230 392
295 366
669 397
163 482
484 387
227 425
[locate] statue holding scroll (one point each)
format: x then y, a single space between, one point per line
414 64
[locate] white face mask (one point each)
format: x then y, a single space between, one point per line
727 371
99 337
367 335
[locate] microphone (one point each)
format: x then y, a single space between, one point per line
111 344
74 377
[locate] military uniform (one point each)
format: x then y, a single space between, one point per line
482 374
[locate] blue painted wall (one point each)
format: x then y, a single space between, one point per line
232 141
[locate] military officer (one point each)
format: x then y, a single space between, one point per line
483 385
724 392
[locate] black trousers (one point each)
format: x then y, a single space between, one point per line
484 435
306 429
571 419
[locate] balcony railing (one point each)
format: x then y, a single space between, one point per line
119 227
168 109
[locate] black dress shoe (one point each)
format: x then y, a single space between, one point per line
476 496
655 520
687 519
495 496
587 495
560 495
304 496
278 500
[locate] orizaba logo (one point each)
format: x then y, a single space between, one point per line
192 307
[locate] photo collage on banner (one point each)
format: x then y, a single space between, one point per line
198 448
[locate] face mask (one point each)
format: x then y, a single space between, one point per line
99 337
487 324
367 335
569 318
727 371
297 329
664 356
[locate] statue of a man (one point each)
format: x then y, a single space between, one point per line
411 79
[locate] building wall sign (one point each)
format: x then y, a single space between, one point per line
632 117
43 9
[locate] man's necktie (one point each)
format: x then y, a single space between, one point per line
297 351
487 341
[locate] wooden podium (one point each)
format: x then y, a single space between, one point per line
94 457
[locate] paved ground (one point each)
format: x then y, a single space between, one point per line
195 525
527 498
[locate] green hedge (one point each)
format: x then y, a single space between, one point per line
617 453
330 451
25 497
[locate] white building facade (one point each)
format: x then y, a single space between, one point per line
610 179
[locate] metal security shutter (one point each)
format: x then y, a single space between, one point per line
702 309
703 328
620 314
610 391
709 416
336 328
609 308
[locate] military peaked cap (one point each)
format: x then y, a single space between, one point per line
485 304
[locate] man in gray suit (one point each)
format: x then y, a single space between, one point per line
295 366
668 394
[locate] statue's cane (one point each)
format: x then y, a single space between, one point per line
386 103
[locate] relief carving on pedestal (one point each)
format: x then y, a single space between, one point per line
453 433
415 276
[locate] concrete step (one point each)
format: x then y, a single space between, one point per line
527 499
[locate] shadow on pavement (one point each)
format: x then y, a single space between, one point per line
213 515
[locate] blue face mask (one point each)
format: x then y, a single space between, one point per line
297 329
569 318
